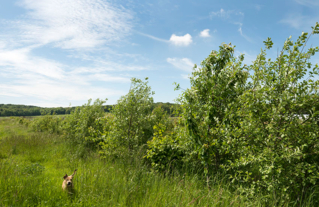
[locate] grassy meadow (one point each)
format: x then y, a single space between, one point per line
32 165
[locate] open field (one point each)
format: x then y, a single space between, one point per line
32 166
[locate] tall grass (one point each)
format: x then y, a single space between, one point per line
32 166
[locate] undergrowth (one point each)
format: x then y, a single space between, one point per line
32 165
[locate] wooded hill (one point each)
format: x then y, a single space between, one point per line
26 110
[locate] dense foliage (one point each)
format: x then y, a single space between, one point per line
133 120
80 122
276 145
248 122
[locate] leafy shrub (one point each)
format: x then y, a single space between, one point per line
81 123
133 122
47 123
275 147
215 87
21 120
164 151
251 125
100 130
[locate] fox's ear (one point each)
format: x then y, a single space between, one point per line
66 175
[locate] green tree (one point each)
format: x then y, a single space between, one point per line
133 120
276 146
215 87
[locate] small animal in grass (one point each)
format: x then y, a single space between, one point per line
67 184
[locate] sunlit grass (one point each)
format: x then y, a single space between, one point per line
32 166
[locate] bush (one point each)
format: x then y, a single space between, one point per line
164 151
215 87
133 122
22 120
47 123
275 147
100 130
81 123
251 125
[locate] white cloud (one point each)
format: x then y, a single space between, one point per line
2 44
47 80
21 64
20 61
181 40
53 91
103 63
85 27
174 39
181 63
204 33
223 14
72 88
74 24
107 78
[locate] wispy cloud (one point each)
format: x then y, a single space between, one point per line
20 60
233 17
73 27
258 7
56 91
153 37
309 3
111 62
181 63
74 24
43 79
107 78
204 33
2 44
226 14
181 40
47 80
242 34
299 21
174 39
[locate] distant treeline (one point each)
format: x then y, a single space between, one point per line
25 110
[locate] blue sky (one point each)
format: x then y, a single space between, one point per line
61 52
